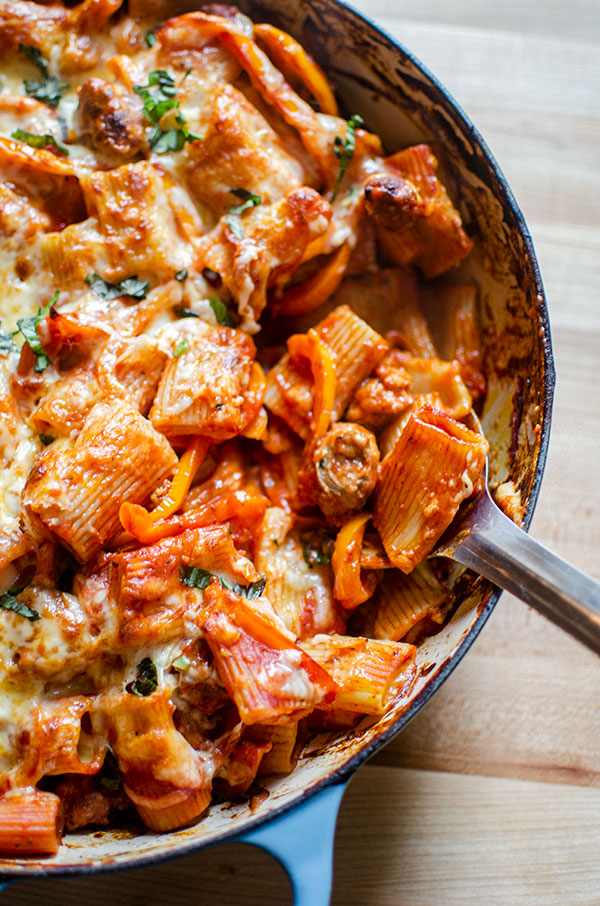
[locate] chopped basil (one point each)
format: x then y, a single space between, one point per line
317 548
171 140
248 198
49 90
146 681
235 226
10 602
182 312
344 149
180 347
182 662
194 577
150 38
158 97
220 309
40 141
131 286
181 275
46 439
200 578
34 55
254 590
28 328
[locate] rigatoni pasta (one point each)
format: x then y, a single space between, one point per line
233 413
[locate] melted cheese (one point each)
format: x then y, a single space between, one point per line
152 229
20 298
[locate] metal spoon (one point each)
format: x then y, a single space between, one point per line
484 539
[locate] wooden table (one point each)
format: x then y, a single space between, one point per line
491 794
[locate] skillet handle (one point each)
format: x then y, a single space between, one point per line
501 551
302 841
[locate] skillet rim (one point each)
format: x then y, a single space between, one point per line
504 194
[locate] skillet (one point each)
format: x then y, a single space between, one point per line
404 104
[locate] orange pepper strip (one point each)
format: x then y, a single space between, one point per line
239 504
276 91
345 561
304 297
260 626
323 370
186 470
291 58
138 521
265 77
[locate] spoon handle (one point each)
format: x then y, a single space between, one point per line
499 550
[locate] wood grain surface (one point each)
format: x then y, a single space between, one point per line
491 795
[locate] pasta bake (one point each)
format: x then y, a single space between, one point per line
237 366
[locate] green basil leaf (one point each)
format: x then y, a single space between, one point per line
180 347
150 38
137 289
40 141
171 140
254 590
220 309
10 602
182 312
131 286
235 226
182 275
158 97
194 577
28 329
34 55
146 681
200 578
344 149
159 110
48 90
7 344
164 80
248 198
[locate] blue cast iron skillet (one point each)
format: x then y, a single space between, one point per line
402 102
